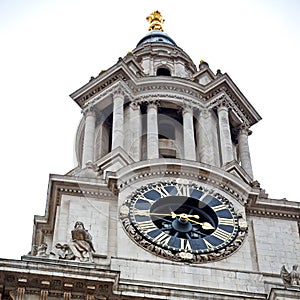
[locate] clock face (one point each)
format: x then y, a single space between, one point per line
181 218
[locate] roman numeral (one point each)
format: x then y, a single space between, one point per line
225 221
147 226
163 192
221 234
208 245
183 190
219 207
162 238
142 197
185 244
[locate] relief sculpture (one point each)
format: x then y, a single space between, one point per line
80 248
290 278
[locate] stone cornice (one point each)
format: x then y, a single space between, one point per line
117 87
176 88
275 208
36 275
118 72
159 169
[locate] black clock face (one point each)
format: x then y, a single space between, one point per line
179 217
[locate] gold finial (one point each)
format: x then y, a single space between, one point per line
155 19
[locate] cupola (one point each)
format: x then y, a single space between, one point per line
158 53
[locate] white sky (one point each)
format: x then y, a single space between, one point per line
51 48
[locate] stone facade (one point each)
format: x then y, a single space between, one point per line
155 118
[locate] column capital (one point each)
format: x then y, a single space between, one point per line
119 90
89 111
205 113
223 104
186 108
202 112
151 103
134 105
244 129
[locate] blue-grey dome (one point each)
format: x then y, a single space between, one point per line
156 36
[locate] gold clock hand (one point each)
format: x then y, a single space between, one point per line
172 214
205 225
147 213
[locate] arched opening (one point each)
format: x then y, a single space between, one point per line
163 72
169 129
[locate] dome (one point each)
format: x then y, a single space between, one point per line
156 36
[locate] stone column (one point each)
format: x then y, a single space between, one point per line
225 135
136 131
89 137
205 138
152 131
188 134
244 152
118 120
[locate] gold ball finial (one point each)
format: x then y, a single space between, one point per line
155 19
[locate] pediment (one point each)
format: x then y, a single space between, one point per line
223 85
123 71
113 161
235 169
204 77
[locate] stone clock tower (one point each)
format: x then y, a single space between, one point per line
162 203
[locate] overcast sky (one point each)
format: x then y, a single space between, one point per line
51 48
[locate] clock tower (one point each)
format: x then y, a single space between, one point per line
162 203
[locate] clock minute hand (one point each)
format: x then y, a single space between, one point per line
172 214
146 213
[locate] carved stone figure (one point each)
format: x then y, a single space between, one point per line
63 251
290 278
80 248
81 244
41 250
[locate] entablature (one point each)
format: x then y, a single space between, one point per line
178 89
273 208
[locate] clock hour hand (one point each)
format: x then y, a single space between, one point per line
184 216
205 225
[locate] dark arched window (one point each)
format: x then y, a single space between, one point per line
163 72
